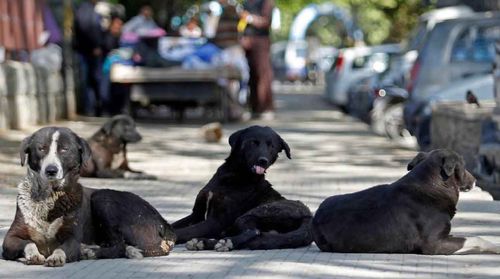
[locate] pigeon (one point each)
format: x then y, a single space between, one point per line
471 98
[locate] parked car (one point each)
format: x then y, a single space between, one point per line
457 57
278 50
351 66
320 61
387 116
363 93
300 60
379 99
296 58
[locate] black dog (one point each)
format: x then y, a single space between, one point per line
127 226
239 205
109 150
55 214
411 215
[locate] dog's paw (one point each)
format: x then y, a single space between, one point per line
133 253
224 245
58 258
195 245
88 252
32 256
167 245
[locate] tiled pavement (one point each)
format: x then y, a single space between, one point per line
332 154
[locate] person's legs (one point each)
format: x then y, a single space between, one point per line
250 53
94 81
86 96
105 93
264 75
261 75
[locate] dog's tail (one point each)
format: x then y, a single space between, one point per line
298 238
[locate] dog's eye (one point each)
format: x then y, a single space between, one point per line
41 148
63 149
255 142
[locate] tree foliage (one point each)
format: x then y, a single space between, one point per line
380 20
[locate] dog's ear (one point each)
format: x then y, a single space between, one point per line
108 126
284 146
85 151
235 138
23 150
448 164
419 158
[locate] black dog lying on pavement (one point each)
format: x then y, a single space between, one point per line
55 215
238 208
109 150
411 215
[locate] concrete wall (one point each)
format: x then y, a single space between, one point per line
29 96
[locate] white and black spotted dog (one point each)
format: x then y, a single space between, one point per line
58 220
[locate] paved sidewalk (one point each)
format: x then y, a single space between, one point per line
332 154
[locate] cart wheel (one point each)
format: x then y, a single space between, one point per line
224 110
132 109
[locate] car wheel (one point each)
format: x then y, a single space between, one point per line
395 128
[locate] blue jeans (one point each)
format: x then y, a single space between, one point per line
91 99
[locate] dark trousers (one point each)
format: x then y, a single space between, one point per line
91 73
257 50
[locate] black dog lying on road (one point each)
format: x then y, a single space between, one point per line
238 208
109 150
411 215
55 215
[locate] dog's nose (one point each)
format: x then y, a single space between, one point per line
51 170
263 162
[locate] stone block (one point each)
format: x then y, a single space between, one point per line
4 103
458 126
31 93
17 89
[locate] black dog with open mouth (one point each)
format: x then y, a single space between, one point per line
109 150
56 217
411 215
239 209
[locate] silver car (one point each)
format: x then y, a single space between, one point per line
351 66
457 57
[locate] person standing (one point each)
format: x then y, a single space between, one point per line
191 29
258 15
226 34
111 103
88 41
141 23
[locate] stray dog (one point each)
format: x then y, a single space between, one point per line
55 214
127 226
411 215
238 208
109 150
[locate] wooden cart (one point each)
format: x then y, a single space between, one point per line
179 88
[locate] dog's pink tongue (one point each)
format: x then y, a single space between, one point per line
259 170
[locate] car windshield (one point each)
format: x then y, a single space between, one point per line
417 37
476 44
